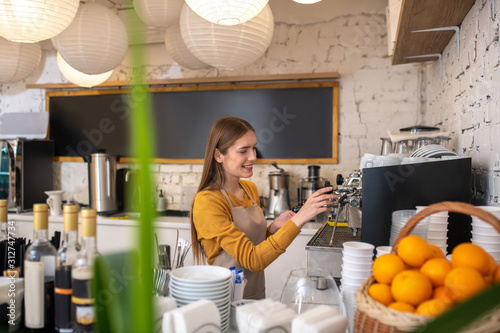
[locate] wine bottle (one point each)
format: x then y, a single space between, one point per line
39 273
3 220
66 257
82 274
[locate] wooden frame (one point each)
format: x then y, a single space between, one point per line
335 116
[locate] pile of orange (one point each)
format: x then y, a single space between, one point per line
420 279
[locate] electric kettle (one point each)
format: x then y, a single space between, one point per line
102 183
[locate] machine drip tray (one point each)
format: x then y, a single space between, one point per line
321 255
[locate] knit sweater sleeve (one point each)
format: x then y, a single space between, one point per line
215 228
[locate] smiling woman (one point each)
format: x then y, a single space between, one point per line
228 227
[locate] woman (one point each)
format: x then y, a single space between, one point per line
228 227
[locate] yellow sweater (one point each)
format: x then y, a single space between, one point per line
216 230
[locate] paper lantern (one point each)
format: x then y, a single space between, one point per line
227 46
31 21
178 50
79 78
96 42
227 12
18 60
306 2
159 13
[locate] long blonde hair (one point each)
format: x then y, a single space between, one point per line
224 132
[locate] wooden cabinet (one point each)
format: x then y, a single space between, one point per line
422 15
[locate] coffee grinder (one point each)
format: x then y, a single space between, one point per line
279 200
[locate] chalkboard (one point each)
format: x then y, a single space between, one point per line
294 122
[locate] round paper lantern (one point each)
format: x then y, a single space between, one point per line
31 21
227 12
178 50
227 46
307 2
159 13
79 78
18 60
96 42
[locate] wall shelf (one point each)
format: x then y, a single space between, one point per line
422 15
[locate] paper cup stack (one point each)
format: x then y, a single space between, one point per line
437 232
357 259
484 235
400 218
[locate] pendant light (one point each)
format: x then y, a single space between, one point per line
95 42
178 50
18 60
159 13
31 21
79 78
306 2
227 12
227 46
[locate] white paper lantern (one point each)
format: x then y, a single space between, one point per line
178 50
227 12
18 60
306 2
79 78
96 42
227 46
30 21
159 13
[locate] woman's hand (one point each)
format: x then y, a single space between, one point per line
317 202
278 222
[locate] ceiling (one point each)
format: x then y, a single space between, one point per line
286 11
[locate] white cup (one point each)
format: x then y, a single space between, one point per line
55 202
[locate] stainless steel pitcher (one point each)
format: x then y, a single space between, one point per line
102 182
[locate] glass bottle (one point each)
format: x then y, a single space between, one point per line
39 274
3 220
66 257
83 273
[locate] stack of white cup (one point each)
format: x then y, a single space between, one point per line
357 259
484 235
437 232
380 250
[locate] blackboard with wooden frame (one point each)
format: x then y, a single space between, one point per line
295 122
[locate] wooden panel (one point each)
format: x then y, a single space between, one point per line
427 14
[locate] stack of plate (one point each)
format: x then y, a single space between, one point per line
435 151
192 283
484 235
399 219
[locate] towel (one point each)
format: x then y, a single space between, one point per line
321 319
264 316
200 316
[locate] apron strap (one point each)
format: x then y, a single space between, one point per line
227 198
244 189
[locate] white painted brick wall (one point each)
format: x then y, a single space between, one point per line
374 95
467 95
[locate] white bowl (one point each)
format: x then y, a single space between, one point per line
358 248
440 234
438 226
489 247
355 275
383 250
357 259
480 223
485 238
484 229
357 266
352 281
439 242
349 284
439 219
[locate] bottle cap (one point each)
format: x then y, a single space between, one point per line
70 217
3 210
89 217
40 216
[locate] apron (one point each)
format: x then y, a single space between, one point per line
252 222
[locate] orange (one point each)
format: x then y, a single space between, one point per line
436 251
386 267
400 306
496 278
464 282
414 250
381 293
431 308
436 269
493 267
443 294
411 287
470 255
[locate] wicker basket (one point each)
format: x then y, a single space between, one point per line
372 316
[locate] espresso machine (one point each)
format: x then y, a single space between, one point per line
279 200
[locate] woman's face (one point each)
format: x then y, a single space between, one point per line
240 157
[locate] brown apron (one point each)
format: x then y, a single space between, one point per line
252 222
